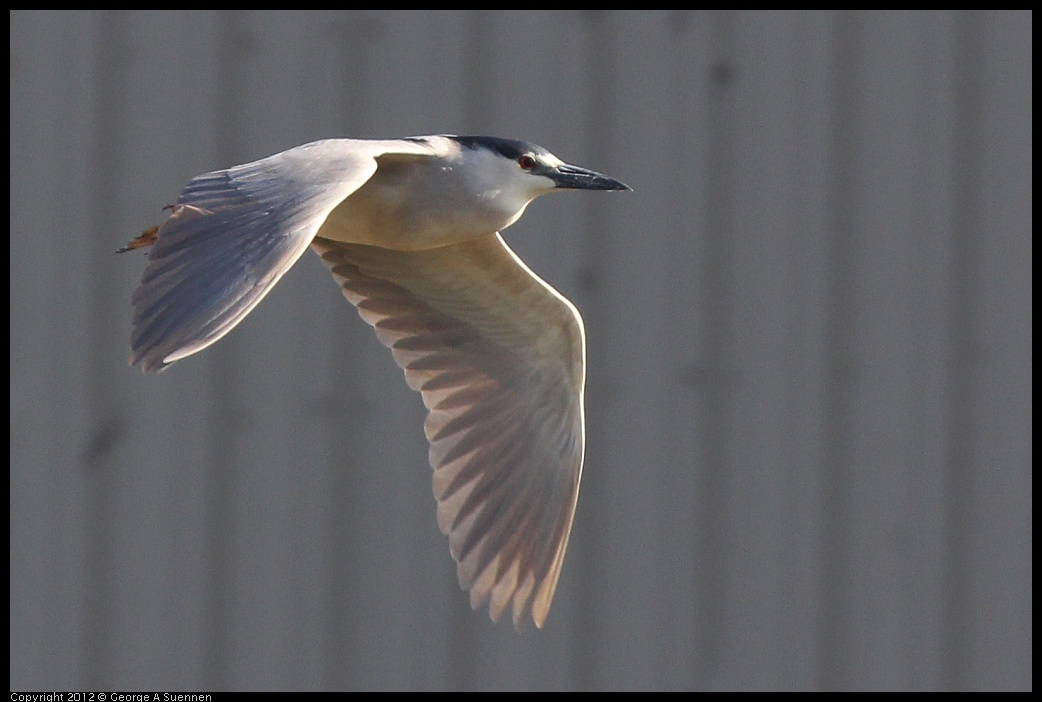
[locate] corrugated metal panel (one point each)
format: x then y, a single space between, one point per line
810 356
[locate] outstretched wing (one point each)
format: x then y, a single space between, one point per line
499 358
232 235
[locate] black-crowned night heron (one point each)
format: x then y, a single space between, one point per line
410 230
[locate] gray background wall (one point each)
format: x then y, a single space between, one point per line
809 398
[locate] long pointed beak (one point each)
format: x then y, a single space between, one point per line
577 178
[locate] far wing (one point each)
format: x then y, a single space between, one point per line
499 358
231 237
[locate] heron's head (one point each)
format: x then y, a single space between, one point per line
516 172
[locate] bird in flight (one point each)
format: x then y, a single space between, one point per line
410 229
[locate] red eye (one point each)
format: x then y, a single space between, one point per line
526 162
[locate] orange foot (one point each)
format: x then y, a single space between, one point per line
147 238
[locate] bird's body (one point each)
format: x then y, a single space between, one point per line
410 230
383 211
